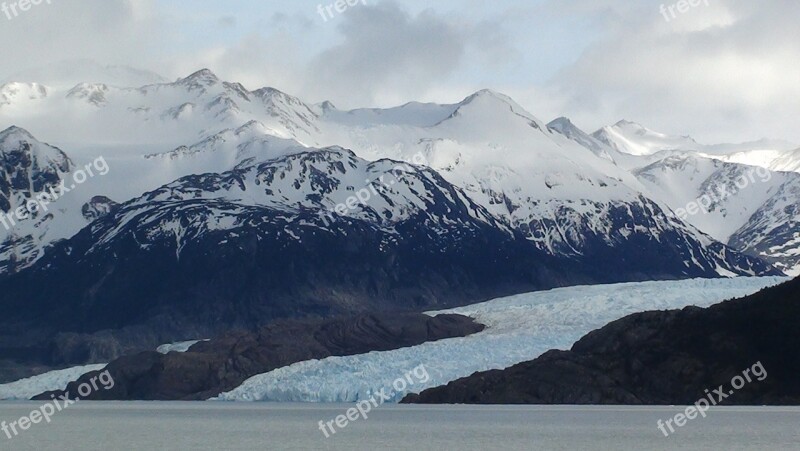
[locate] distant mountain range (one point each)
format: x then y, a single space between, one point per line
229 207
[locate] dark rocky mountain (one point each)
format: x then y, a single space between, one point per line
98 207
668 357
28 169
212 367
286 238
199 257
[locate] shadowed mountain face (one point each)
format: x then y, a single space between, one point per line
169 269
210 368
668 357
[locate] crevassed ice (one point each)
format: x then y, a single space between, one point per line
520 328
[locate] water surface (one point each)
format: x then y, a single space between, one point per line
248 426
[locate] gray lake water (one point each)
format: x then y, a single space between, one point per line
244 426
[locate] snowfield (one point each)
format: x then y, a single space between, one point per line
181 346
520 328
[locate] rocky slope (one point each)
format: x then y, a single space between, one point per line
211 367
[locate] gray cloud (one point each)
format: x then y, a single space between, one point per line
227 22
110 31
387 55
727 71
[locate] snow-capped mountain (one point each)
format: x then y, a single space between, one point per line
153 118
565 127
749 208
734 198
626 139
773 231
213 251
290 237
633 139
68 73
258 206
43 199
774 160
228 148
564 199
28 169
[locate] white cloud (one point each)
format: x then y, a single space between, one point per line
726 71
723 72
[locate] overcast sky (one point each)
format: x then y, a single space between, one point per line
726 71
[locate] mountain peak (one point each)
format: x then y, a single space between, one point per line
252 126
493 99
270 92
203 77
40 156
15 132
488 94
635 139
562 124
565 127
624 123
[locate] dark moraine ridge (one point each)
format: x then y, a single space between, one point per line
210 368
657 358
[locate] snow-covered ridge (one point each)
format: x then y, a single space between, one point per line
68 73
751 209
520 328
634 139
748 195
28 168
565 190
627 139
770 158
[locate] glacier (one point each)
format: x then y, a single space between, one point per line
519 328
27 388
